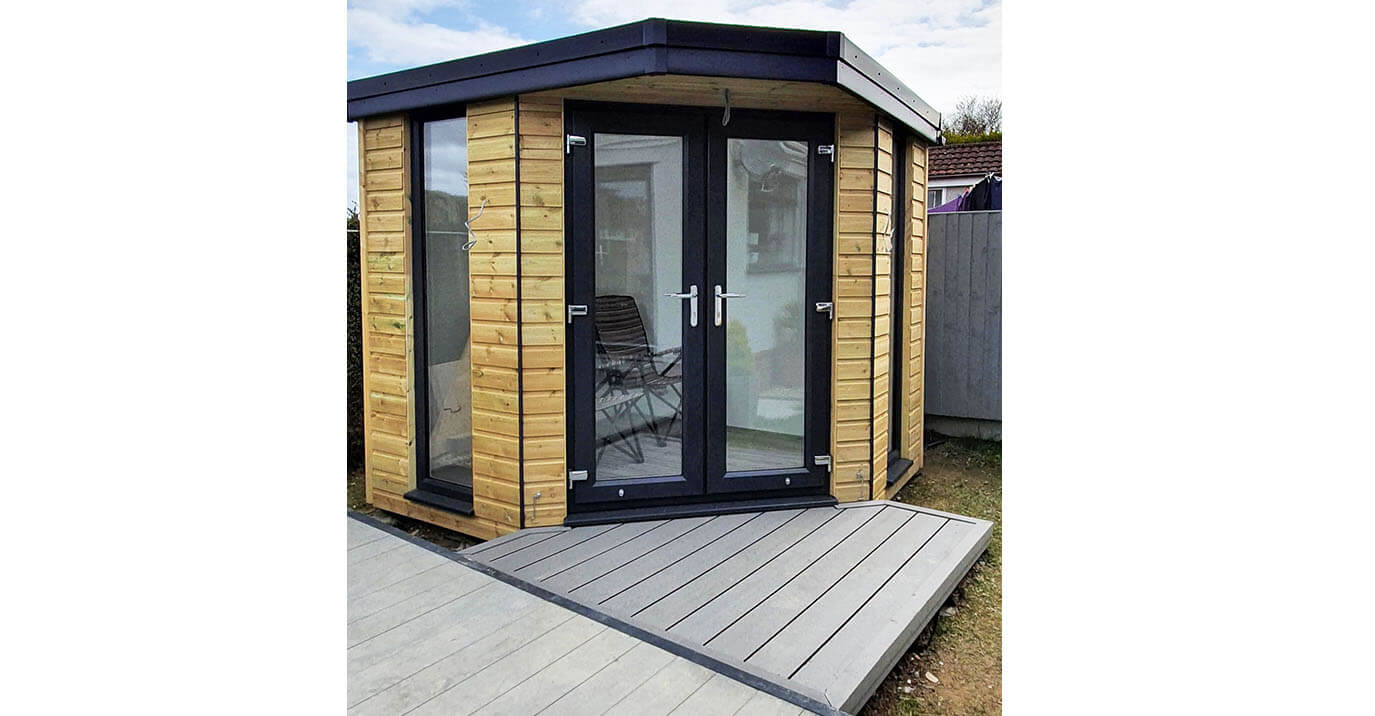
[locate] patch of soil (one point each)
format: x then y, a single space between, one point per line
962 647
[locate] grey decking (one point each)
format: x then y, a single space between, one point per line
428 635
820 601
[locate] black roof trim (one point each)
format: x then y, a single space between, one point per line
649 47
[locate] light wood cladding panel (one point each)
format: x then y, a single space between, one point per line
852 366
542 313
881 266
495 308
389 351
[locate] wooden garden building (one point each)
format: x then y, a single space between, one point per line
661 269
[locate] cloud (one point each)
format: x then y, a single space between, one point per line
391 32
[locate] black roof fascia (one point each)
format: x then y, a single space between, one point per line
649 47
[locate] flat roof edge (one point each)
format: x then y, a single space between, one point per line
649 47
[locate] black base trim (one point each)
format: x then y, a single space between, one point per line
441 502
704 509
897 469
672 647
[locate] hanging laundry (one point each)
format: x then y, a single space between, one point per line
978 197
949 206
987 195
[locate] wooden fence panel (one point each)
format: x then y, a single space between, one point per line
964 315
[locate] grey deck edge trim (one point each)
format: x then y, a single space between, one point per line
738 671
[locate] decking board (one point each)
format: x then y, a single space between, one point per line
769 620
818 621
662 557
684 601
613 682
453 639
733 598
820 601
596 567
564 560
665 582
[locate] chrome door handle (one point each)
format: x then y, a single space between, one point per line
691 297
719 296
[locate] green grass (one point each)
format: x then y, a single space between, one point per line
963 649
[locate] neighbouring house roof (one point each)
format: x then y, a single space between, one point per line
649 47
954 160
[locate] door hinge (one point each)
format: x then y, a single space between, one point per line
576 309
822 460
576 476
828 149
573 140
827 308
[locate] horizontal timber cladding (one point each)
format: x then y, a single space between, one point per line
540 147
852 355
882 305
914 354
384 237
492 184
389 422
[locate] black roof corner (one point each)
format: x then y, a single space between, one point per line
649 47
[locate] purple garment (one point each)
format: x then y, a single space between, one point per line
949 206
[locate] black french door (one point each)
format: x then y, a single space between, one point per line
697 255
769 202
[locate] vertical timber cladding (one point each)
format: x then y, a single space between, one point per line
385 149
852 337
542 316
882 305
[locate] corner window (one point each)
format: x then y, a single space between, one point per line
447 453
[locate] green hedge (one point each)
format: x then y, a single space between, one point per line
952 138
355 346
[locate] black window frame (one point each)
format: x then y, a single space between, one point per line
897 464
429 491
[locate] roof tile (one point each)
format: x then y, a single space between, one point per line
965 159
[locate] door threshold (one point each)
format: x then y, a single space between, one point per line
701 509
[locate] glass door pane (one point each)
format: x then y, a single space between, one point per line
638 255
766 267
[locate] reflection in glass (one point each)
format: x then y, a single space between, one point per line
766 253
447 347
638 255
